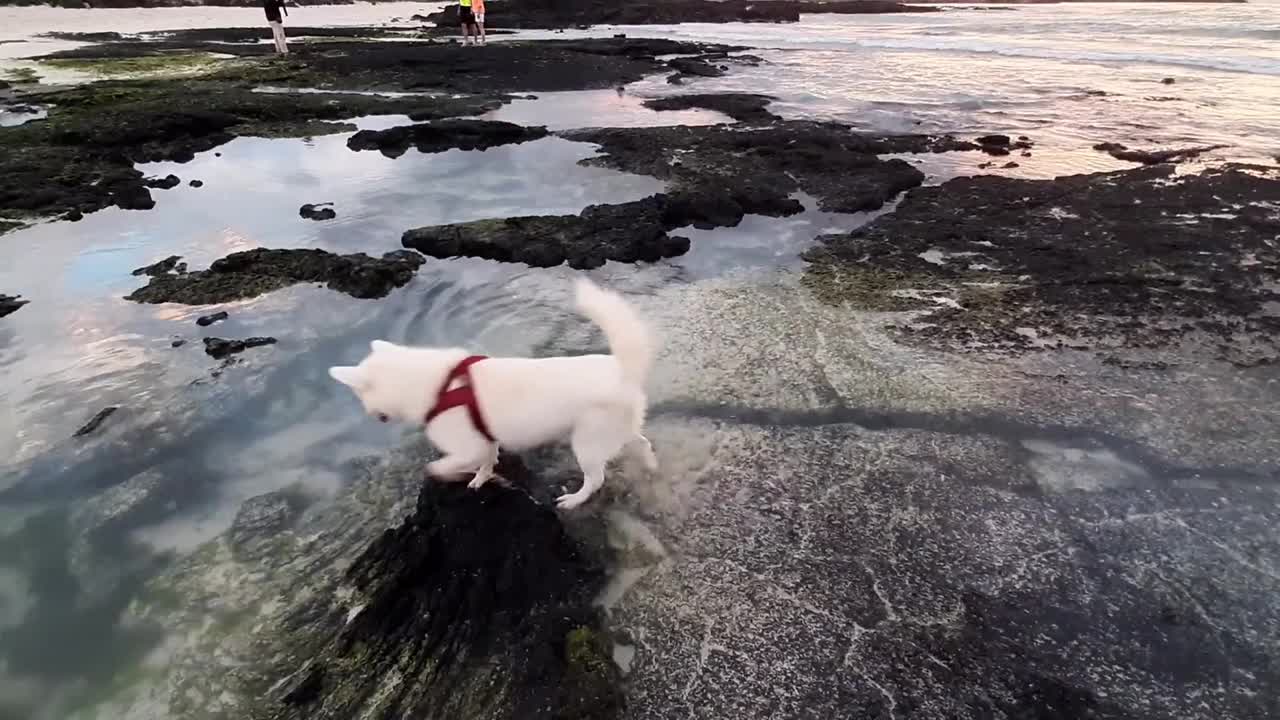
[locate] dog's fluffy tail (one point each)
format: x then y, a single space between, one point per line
627 334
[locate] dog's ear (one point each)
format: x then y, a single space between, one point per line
348 375
379 345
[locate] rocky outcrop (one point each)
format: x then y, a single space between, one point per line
10 303
764 166
82 159
549 14
96 421
317 211
627 232
479 604
743 107
716 174
254 272
1154 157
220 348
441 135
207 320
1138 258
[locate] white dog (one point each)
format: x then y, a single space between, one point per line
472 405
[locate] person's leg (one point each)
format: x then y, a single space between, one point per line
277 34
480 28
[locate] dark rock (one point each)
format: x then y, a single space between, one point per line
260 521
207 320
549 14
733 173
164 183
998 145
1140 258
619 36
96 421
755 171
10 303
318 211
695 67
128 196
1010 165
219 348
628 232
73 216
487 594
166 266
1168 81
255 272
4 85
196 183
308 688
1154 157
177 343
83 158
444 135
743 107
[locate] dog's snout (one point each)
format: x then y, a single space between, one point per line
382 417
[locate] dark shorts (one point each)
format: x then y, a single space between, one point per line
466 16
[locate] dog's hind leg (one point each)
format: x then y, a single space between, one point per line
642 447
596 439
463 457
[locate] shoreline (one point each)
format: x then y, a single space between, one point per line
906 488
804 6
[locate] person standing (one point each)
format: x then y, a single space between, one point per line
276 21
477 12
468 19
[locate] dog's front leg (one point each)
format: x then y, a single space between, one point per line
485 473
450 467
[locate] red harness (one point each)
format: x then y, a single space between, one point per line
462 396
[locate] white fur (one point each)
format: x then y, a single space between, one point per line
596 401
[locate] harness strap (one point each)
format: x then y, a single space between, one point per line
462 396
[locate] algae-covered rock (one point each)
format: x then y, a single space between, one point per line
1143 258
81 157
255 272
829 161
441 135
625 232
478 605
592 680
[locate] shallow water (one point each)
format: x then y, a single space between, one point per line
274 419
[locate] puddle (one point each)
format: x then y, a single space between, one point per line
597 108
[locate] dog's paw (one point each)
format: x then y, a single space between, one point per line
570 501
477 482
